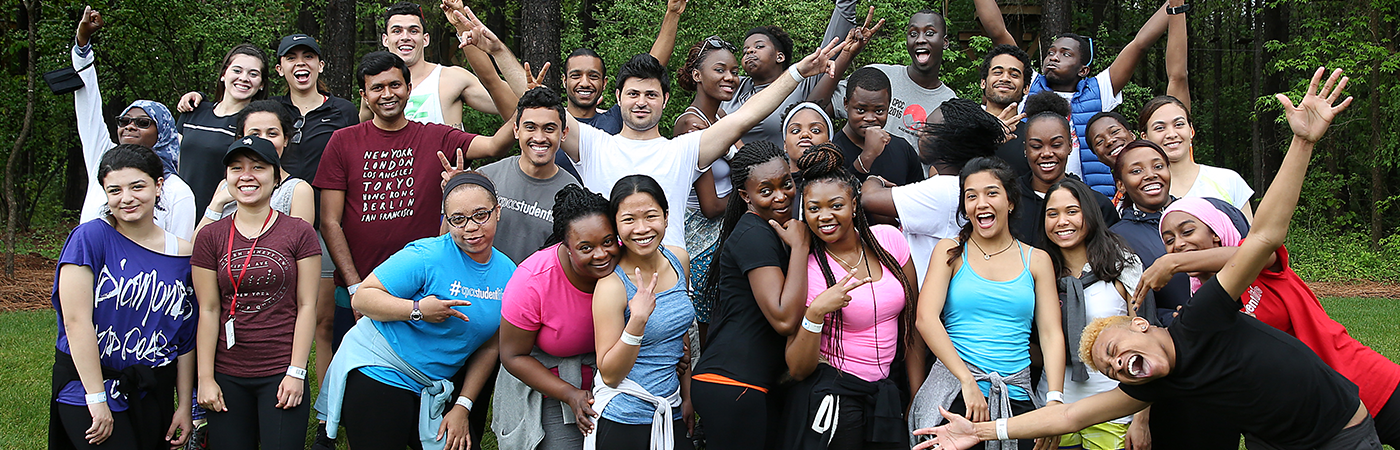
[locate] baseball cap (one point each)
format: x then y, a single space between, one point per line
290 42
263 148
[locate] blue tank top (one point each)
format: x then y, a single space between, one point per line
662 345
989 322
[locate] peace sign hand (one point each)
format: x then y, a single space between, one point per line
533 81
820 60
837 296
1311 117
860 36
644 302
473 31
450 170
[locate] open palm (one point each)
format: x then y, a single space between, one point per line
1310 118
957 434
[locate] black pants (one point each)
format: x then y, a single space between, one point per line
76 420
477 420
379 416
1018 407
850 431
618 436
1361 436
1388 420
736 417
253 416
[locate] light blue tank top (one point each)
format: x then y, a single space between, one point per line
989 322
662 345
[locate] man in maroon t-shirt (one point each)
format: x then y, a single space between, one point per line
381 180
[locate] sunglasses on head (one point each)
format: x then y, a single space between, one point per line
140 122
460 220
716 43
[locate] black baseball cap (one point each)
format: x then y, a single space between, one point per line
263 148
290 42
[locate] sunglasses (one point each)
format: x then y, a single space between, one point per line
296 138
141 122
716 43
460 220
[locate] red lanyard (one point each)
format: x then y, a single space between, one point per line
232 228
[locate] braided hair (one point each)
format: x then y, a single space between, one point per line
753 154
571 204
967 131
696 56
824 164
1009 190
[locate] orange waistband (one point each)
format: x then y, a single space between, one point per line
721 379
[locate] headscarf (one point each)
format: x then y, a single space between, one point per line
811 106
1223 219
168 140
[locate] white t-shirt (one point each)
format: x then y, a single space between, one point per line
1101 299
1108 100
604 159
928 212
1221 183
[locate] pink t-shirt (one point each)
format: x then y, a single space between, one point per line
539 297
870 323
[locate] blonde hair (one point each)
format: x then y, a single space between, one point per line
1091 334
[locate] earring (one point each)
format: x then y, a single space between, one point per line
781 58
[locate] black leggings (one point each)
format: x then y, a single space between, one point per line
736 417
76 420
253 416
619 436
477 420
1018 407
379 416
1388 420
850 431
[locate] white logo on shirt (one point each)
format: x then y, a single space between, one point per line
1254 294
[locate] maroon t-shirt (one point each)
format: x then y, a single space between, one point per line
393 185
267 296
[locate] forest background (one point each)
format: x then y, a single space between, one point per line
1241 53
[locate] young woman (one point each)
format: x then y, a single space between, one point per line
543 397
1143 174
852 332
431 315
712 73
1049 139
758 301
145 123
293 196
1098 273
208 129
255 325
1200 239
122 283
640 316
1166 121
804 125
976 312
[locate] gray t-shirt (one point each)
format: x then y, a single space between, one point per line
909 102
527 207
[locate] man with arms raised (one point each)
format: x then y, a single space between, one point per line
1260 381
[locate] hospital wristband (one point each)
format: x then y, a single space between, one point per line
211 214
95 398
1001 430
296 372
811 326
631 339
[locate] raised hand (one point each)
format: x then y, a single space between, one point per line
644 301
450 170
837 296
436 310
1155 277
1311 117
820 60
860 36
957 434
675 6
91 22
793 233
473 31
533 81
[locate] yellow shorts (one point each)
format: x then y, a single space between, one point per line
1104 436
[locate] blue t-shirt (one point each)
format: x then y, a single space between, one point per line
436 266
662 345
989 321
143 304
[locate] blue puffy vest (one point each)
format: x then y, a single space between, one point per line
1087 101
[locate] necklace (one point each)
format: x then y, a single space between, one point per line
848 266
987 256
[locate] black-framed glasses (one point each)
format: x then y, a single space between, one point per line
296 137
141 122
717 43
460 220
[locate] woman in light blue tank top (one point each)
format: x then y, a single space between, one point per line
976 308
640 317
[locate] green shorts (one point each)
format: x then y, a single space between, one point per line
1104 436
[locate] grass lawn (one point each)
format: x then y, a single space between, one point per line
26 356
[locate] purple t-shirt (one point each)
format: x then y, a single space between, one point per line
143 304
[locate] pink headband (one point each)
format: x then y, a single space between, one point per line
1207 214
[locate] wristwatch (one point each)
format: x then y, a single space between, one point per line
416 315
1174 10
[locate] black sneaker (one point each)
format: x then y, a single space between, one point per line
323 442
199 438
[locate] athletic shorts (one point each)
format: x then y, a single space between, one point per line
1104 436
327 266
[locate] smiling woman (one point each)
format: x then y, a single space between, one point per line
208 130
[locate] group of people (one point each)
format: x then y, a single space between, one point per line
1020 270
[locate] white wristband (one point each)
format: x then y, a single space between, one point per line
352 288
464 402
811 326
631 339
796 75
296 372
95 398
1055 396
211 214
1001 430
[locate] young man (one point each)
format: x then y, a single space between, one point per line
1004 73
438 91
526 183
1255 379
866 145
1067 63
915 89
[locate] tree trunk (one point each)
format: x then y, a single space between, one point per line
31 9
1055 20
1256 127
588 23
307 22
339 46
539 38
1378 172
1275 28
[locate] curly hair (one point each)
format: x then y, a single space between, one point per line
967 132
571 204
780 38
1046 105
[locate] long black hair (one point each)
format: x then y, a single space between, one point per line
753 154
1009 190
571 204
824 164
967 131
1106 251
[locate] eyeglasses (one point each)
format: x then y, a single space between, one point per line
717 43
296 138
460 220
141 122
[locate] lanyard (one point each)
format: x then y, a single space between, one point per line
233 227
